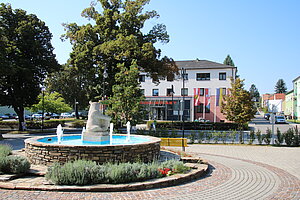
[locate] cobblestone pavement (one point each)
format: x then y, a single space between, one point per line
236 172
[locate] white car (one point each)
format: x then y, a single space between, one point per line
65 115
280 119
37 116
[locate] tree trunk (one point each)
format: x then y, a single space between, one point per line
20 113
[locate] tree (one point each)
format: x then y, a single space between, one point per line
237 105
280 86
125 102
116 38
254 93
228 61
53 103
26 56
71 85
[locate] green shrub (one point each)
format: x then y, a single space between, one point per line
14 164
252 137
200 137
79 172
259 137
175 165
267 136
280 138
289 137
82 172
199 125
296 141
78 123
5 150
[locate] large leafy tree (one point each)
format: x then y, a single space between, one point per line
280 86
51 102
115 38
125 102
71 85
254 93
26 56
237 105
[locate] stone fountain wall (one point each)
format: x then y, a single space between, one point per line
45 154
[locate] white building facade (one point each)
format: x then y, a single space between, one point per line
205 82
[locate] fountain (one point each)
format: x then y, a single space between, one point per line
128 131
59 133
111 132
96 143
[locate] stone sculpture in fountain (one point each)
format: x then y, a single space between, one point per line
97 124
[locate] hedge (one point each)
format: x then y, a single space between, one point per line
33 124
199 125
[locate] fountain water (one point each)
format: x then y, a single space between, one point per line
111 132
128 131
59 133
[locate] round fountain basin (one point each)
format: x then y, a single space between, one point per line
46 150
76 140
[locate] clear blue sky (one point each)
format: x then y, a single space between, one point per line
262 37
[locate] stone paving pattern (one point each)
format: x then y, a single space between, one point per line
236 172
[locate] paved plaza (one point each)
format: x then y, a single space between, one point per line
236 172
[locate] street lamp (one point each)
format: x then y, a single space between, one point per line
43 106
76 109
172 93
183 72
105 75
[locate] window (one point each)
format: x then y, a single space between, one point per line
155 92
222 76
169 91
203 76
142 78
201 91
199 109
184 91
223 91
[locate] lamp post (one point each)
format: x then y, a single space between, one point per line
105 75
43 106
76 109
172 93
183 72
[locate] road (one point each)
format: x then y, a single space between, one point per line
259 123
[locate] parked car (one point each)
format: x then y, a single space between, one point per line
65 115
280 119
55 116
36 116
267 116
4 116
27 117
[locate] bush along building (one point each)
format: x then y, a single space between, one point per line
196 93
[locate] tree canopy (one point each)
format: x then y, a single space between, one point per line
116 37
237 105
127 95
280 86
26 56
254 93
228 61
52 103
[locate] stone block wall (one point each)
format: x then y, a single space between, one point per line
45 154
